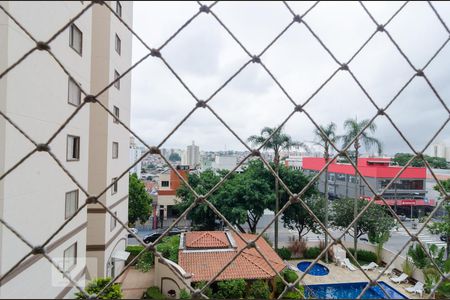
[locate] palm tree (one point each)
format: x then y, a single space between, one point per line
277 142
323 140
352 128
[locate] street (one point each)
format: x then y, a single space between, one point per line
396 242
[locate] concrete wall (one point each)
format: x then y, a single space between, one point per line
167 280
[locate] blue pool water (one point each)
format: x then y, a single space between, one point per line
316 270
351 291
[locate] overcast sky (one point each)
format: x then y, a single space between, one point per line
205 56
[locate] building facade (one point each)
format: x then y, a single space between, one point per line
168 183
192 156
135 154
408 191
38 197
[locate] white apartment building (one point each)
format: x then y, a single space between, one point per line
224 163
192 156
37 197
135 154
440 149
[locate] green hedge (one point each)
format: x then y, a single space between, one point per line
98 284
364 255
259 289
290 276
169 247
134 251
284 253
231 289
153 292
312 253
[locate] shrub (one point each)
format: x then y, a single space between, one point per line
96 285
169 247
418 256
258 290
312 252
364 255
284 253
289 275
408 267
432 277
297 247
153 292
134 251
145 262
184 294
295 294
207 292
230 289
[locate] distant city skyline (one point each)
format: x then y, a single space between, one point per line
252 100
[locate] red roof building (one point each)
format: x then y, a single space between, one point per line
205 253
408 190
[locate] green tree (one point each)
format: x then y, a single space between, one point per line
202 217
245 196
443 226
98 284
376 221
174 157
323 137
296 217
353 127
276 141
435 162
139 204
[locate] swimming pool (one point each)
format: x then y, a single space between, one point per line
316 270
351 290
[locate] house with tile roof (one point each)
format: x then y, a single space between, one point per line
204 253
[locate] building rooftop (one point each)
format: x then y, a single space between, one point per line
205 253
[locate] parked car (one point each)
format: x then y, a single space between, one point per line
402 217
134 230
153 236
443 237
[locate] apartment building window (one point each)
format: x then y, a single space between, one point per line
118 8
115 150
118 45
114 187
73 147
76 39
71 203
165 183
116 112
340 177
70 257
74 93
116 83
113 223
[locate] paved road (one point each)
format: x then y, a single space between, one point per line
395 243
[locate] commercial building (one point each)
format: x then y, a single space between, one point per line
408 191
38 197
192 156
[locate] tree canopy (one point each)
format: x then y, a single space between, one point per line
139 204
376 221
435 162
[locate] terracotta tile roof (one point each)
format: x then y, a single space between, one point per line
248 265
207 240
